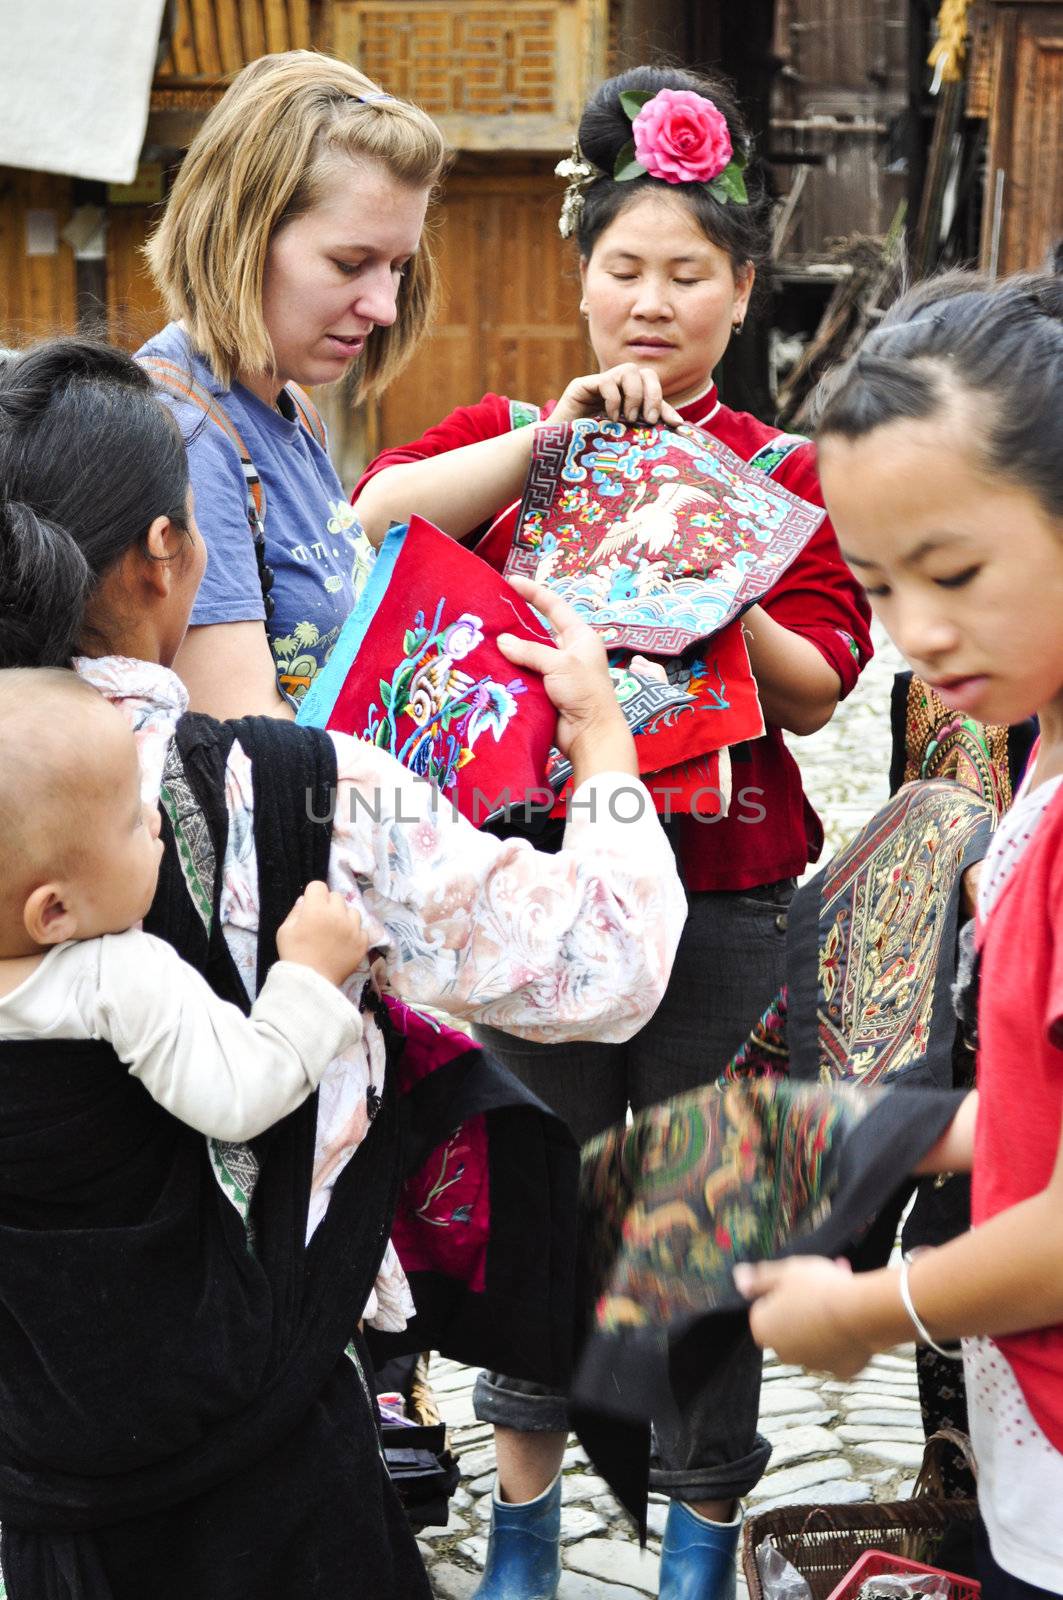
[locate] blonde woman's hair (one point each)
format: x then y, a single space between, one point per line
262 158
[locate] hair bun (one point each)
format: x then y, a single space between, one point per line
605 127
44 585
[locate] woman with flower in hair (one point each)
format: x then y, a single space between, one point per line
672 222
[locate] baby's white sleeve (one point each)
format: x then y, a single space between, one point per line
228 1075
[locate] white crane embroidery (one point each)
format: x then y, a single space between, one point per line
649 525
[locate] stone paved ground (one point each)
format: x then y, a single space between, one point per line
832 1441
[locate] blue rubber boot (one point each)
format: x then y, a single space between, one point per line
524 1548
697 1556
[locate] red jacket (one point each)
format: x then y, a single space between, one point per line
771 831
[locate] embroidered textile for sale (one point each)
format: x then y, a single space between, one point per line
421 676
659 537
871 950
732 1172
870 959
416 671
871 941
766 1053
706 700
736 1172
759 1164
871 1004
701 787
931 740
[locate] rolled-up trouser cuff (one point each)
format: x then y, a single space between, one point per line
512 1403
729 1480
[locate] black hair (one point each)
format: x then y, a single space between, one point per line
744 232
1001 342
89 457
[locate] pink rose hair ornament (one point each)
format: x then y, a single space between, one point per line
679 136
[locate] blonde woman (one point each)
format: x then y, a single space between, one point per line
289 252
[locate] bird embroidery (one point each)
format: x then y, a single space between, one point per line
649 525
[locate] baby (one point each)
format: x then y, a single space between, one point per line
79 863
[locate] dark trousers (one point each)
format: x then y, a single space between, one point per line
729 966
1000 1585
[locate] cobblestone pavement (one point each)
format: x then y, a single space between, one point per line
832 1441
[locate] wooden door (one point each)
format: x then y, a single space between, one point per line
38 278
510 319
842 87
1023 212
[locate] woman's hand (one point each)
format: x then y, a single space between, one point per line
798 1311
626 393
591 729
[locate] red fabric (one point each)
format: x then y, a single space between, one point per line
689 786
712 703
443 1218
1020 1077
428 682
722 673
771 831
467 425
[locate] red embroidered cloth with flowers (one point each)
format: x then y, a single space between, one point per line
683 716
417 671
817 598
424 679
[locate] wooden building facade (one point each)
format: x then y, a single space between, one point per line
828 85
1023 206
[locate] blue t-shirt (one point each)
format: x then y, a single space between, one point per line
310 525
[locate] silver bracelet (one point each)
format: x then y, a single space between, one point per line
917 1324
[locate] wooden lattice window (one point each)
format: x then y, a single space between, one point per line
494 77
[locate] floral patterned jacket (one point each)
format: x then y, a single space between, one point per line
549 947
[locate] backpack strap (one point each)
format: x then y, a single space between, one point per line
308 414
774 451
179 382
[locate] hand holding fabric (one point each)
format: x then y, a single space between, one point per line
798 1311
591 729
625 393
323 932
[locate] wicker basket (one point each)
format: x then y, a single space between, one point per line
825 1542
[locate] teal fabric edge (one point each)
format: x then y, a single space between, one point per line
315 708
774 451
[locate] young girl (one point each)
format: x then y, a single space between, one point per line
941 451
